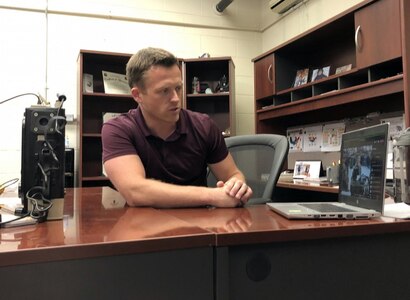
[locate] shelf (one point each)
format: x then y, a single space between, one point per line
95 178
207 95
361 92
310 186
318 82
91 135
219 105
119 96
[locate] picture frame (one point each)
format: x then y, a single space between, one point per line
88 84
343 69
307 169
320 73
301 77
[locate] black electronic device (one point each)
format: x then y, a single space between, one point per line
43 159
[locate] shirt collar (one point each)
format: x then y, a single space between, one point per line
180 129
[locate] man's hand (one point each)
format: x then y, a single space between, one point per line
237 189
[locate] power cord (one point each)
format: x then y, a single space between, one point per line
6 184
3 186
39 100
40 205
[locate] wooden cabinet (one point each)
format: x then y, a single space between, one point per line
213 92
377 33
375 83
263 77
92 106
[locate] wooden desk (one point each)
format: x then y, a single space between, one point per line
103 251
261 255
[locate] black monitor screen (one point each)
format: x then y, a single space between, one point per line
363 167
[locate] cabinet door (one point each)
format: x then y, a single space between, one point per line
264 78
377 33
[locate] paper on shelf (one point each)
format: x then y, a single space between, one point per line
312 138
332 136
115 83
295 139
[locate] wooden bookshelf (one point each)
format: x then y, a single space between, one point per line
92 106
220 104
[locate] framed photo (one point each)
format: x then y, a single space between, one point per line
88 85
320 73
343 69
307 169
301 77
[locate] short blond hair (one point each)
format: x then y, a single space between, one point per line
143 60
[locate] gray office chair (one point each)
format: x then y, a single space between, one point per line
260 157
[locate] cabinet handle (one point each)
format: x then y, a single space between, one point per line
356 38
269 71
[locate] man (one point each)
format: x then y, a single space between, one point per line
156 155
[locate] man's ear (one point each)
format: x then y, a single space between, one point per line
135 92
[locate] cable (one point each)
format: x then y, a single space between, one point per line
39 210
7 183
54 121
61 99
25 94
3 186
2 224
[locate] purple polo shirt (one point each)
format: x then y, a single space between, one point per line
180 159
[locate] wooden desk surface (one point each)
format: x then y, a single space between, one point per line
258 224
95 223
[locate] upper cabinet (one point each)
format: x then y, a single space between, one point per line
264 79
377 33
209 87
360 53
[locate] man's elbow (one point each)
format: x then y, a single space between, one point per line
135 199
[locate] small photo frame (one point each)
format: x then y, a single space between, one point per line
301 77
88 85
343 69
320 73
307 169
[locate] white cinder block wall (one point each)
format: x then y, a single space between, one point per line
38 50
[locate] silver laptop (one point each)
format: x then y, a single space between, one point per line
363 157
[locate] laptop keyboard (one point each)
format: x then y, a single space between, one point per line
326 207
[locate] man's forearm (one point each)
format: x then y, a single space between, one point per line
155 193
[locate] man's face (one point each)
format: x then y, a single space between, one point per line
161 98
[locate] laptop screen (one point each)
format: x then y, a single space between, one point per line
363 167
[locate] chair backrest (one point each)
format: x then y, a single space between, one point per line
260 157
